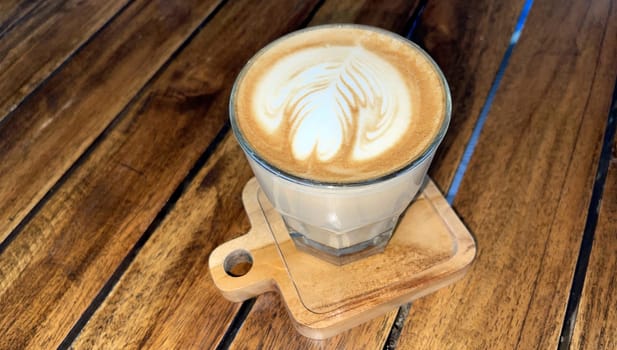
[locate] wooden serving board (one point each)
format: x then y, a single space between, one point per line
430 248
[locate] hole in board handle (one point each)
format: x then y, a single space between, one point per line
238 263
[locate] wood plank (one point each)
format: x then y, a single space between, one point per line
468 41
13 11
596 321
166 299
52 270
276 329
394 16
36 37
528 186
45 136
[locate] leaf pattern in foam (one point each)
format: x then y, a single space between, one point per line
333 103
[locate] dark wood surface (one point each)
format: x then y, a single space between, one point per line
468 39
164 299
528 186
278 332
118 173
596 321
38 36
44 137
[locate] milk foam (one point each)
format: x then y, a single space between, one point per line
332 97
339 104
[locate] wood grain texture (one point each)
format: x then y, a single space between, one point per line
391 15
44 137
596 321
468 40
36 37
150 307
276 328
166 299
324 299
14 11
528 186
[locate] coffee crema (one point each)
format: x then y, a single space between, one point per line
339 104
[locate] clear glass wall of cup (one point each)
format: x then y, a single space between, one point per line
341 222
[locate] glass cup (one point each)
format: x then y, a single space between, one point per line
341 222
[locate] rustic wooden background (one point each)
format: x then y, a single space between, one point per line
118 174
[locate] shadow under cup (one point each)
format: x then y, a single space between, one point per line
341 222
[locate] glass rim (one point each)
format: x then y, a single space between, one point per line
416 161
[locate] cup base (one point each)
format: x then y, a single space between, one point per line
342 256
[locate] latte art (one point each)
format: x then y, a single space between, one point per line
341 100
339 104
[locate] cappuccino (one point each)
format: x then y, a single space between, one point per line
340 123
340 104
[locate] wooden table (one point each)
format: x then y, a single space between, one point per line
118 173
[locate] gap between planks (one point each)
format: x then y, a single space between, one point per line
7 110
582 262
99 138
462 166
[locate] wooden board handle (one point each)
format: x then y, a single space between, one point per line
248 265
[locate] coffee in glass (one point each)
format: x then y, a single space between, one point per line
339 124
